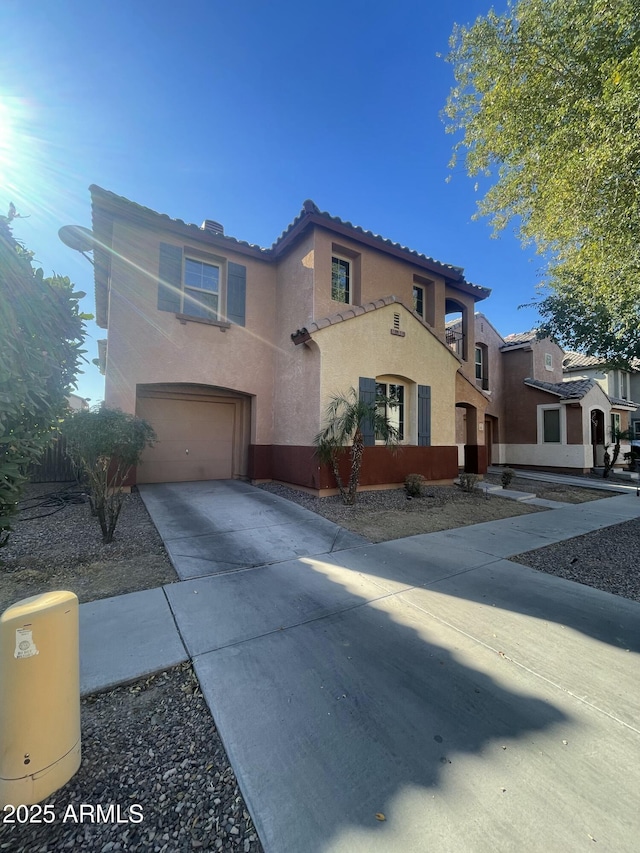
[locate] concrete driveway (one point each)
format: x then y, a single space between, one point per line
425 694
226 525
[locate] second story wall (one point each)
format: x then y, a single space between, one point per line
148 343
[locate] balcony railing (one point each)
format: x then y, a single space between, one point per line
455 339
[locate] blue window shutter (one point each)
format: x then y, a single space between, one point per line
424 416
367 395
170 278
236 293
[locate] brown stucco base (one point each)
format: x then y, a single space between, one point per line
380 465
475 458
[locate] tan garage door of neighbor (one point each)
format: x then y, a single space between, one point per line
195 440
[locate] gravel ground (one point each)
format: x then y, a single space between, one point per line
388 514
152 744
57 544
607 559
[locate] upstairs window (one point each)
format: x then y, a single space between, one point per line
201 289
418 300
340 280
548 361
482 367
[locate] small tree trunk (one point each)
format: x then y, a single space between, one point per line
336 473
357 451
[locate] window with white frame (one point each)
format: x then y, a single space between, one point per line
201 289
390 404
340 280
548 361
621 386
482 366
418 300
615 425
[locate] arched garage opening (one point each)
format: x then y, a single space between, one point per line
202 433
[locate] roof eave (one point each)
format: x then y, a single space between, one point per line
308 219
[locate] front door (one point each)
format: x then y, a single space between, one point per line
488 438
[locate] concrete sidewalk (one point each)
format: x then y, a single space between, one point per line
428 679
571 480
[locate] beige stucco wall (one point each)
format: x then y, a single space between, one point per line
148 346
379 275
364 346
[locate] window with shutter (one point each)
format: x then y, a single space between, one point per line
195 288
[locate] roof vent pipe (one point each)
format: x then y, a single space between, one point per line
212 227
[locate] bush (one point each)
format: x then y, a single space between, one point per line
413 485
104 445
41 333
507 476
468 481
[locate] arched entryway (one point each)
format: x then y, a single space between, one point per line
475 455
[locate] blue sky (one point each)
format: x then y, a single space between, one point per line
238 112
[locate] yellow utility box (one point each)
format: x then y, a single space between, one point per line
39 697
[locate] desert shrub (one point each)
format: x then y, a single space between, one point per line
468 481
104 445
413 485
507 476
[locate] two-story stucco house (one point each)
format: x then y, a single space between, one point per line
232 351
622 386
538 414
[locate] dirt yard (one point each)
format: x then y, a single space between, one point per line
552 491
57 544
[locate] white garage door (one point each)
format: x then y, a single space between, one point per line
195 440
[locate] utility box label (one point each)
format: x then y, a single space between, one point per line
25 647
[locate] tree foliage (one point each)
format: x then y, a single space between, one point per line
41 334
547 99
104 445
344 420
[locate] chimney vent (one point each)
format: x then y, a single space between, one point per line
212 227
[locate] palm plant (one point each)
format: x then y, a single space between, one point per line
345 417
618 435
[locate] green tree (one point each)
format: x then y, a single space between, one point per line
547 101
343 433
104 445
41 335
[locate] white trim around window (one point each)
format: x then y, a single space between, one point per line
202 287
562 424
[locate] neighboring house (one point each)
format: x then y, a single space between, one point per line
618 384
538 417
77 403
232 351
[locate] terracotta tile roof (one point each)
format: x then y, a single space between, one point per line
310 211
518 339
619 403
575 389
351 311
578 360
